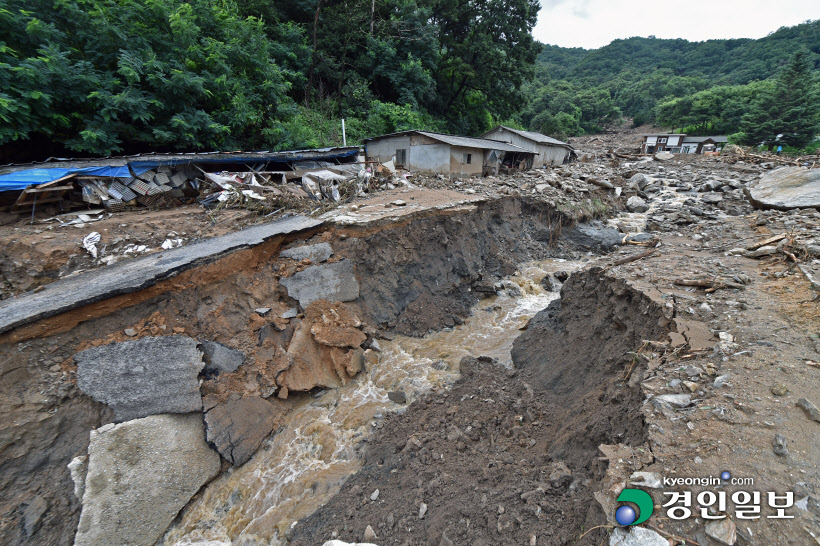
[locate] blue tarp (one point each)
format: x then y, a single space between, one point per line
22 179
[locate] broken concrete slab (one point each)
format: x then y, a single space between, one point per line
786 188
220 358
131 276
144 377
315 253
332 282
237 426
140 475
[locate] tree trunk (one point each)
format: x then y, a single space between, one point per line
313 57
372 15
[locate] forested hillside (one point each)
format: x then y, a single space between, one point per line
715 82
98 77
112 76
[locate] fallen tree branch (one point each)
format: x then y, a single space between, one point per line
764 242
633 258
711 285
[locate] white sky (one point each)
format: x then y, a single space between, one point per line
594 23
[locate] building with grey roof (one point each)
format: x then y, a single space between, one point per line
437 153
547 150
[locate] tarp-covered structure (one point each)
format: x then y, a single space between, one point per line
19 177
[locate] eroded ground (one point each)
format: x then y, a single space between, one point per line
674 351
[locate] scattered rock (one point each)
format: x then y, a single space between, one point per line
712 198
422 510
560 475
551 284
636 204
397 397
767 250
315 253
786 188
780 390
724 531
636 536
262 311
646 479
811 410
237 426
640 181
130 332
370 534
779 445
145 377
333 282
678 400
374 495
290 313
140 475
220 358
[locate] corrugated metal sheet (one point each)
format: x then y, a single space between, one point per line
535 137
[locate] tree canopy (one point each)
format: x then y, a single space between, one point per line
99 77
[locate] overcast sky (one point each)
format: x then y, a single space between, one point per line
594 23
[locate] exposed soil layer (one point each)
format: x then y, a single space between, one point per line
508 454
405 270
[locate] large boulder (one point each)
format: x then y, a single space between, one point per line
325 350
140 475
786 188
333 282
636 204
593 235
237 426
144 377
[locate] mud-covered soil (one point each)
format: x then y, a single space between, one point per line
468 466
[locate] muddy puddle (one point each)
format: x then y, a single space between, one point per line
306 462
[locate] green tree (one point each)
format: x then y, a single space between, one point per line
790 113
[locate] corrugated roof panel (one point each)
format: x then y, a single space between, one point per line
535 137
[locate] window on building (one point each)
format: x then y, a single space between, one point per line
467 158
661 140
401 157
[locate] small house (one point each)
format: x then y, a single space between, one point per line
548 151
679 143
705 144
437 153
666 142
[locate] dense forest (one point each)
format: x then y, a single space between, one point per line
99 77
692 87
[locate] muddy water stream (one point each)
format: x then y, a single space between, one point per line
306 462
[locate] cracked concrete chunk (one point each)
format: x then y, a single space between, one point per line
220 358
315 253
144 377
140 475
237 426
332 282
